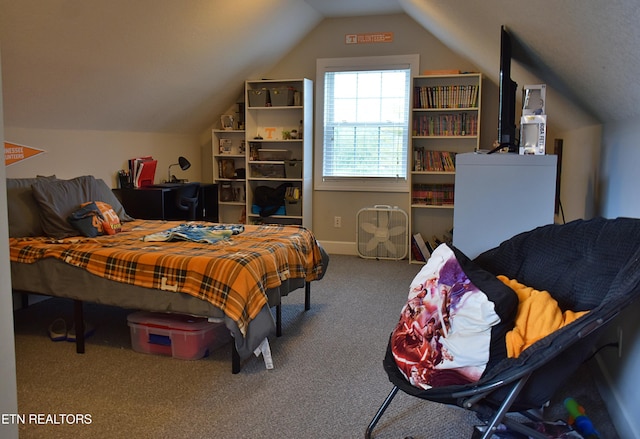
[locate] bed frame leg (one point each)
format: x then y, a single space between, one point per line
307 296
278 320
235 359
78 317
24 300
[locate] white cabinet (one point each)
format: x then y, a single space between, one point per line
279 136
499 196
445 121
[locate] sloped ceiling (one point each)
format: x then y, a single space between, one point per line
166 65
138 65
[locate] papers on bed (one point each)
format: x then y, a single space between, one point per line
196 233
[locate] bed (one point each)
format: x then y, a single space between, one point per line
235 279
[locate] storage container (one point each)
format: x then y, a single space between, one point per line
293 169
274 154
255 209
263 170
293 207
259 97
281 96
180 336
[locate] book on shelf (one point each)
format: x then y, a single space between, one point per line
446 96
143 170
435 161
430 246
432 194
454 124
423 253
226 192
226 168
292 193
442 72
416 254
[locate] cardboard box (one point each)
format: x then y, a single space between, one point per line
533 133
176 335
534 98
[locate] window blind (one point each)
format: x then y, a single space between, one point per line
366 123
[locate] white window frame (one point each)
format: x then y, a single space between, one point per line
372 184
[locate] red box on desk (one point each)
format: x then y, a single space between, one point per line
180 336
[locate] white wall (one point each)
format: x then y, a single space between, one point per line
8 386
71 153
619 196
327 41
102 153
580 134
580 171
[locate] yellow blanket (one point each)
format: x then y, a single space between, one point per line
538 316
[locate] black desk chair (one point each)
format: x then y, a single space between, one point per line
187 199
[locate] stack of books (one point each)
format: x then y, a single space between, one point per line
142 171
436 161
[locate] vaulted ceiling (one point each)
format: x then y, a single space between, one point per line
166 65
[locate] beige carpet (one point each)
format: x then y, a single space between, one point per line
328 379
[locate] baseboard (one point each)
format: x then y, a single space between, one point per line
340 247
619 413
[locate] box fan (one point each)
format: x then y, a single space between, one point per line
382 232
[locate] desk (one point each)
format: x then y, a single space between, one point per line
158 202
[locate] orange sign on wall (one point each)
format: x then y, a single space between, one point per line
376 37
14 153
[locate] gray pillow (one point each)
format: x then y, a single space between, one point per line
22 208
59 198
105 194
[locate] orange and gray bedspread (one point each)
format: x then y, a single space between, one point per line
233 274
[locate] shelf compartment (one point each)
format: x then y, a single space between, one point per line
432 194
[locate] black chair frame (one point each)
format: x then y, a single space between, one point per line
586 265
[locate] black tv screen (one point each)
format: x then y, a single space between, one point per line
507 110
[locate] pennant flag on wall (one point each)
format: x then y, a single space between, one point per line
14 153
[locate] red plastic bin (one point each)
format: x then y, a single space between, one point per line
176 335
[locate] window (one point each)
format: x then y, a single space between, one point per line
362 114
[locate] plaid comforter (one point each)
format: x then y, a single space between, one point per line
232 274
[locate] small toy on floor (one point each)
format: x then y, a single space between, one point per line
579 419
552 430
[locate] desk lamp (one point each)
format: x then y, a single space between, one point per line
184 165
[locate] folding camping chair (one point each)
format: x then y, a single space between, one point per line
585 265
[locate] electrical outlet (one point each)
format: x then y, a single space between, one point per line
337 221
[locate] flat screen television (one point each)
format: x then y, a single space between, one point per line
507 106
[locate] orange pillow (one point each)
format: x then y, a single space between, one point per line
110 223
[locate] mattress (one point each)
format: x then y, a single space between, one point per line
235 280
